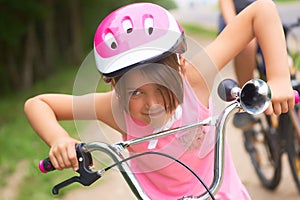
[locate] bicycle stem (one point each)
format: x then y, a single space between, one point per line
219 150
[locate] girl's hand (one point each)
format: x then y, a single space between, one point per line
283 98
63 154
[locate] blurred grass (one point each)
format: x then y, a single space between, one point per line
194 29
285 1
19 142
296 59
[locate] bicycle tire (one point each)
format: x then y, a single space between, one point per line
293 150
262 146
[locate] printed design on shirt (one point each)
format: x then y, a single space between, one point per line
192 139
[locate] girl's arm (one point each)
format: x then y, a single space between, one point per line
227 10
44 112
260 20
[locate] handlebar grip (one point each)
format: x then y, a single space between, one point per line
46 166
297 97
225 89
84 159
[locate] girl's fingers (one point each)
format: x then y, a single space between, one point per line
60 159
294 100
65 160
56 160
63 154
72 158
276 108
280 107
284 107
269 110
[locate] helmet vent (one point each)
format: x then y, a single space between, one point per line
150 30
110 40
148 24
127 25
113 45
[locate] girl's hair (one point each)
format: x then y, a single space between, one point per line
164 73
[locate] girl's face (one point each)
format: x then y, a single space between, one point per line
147 104
151 92
146 100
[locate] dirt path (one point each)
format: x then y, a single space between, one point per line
10 191
112 185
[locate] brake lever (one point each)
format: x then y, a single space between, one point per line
86 175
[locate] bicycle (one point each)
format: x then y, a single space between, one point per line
268 137
254 98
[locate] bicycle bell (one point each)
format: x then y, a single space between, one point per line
255 96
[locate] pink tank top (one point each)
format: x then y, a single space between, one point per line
163 178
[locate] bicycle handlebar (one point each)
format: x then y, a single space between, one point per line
83 157
86 178
228 91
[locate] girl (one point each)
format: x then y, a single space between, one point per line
138 49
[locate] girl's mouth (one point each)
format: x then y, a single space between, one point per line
156 113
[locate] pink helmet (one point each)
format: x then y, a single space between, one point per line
136 34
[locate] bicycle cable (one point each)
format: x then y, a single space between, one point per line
168 156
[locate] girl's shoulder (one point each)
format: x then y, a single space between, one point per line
198 84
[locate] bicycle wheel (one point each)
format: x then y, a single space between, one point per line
293 149
262 145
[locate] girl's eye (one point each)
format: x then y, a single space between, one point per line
134 93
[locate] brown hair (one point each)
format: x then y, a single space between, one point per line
164 73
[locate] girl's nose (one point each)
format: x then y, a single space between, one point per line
152 100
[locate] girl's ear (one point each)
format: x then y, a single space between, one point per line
182 62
